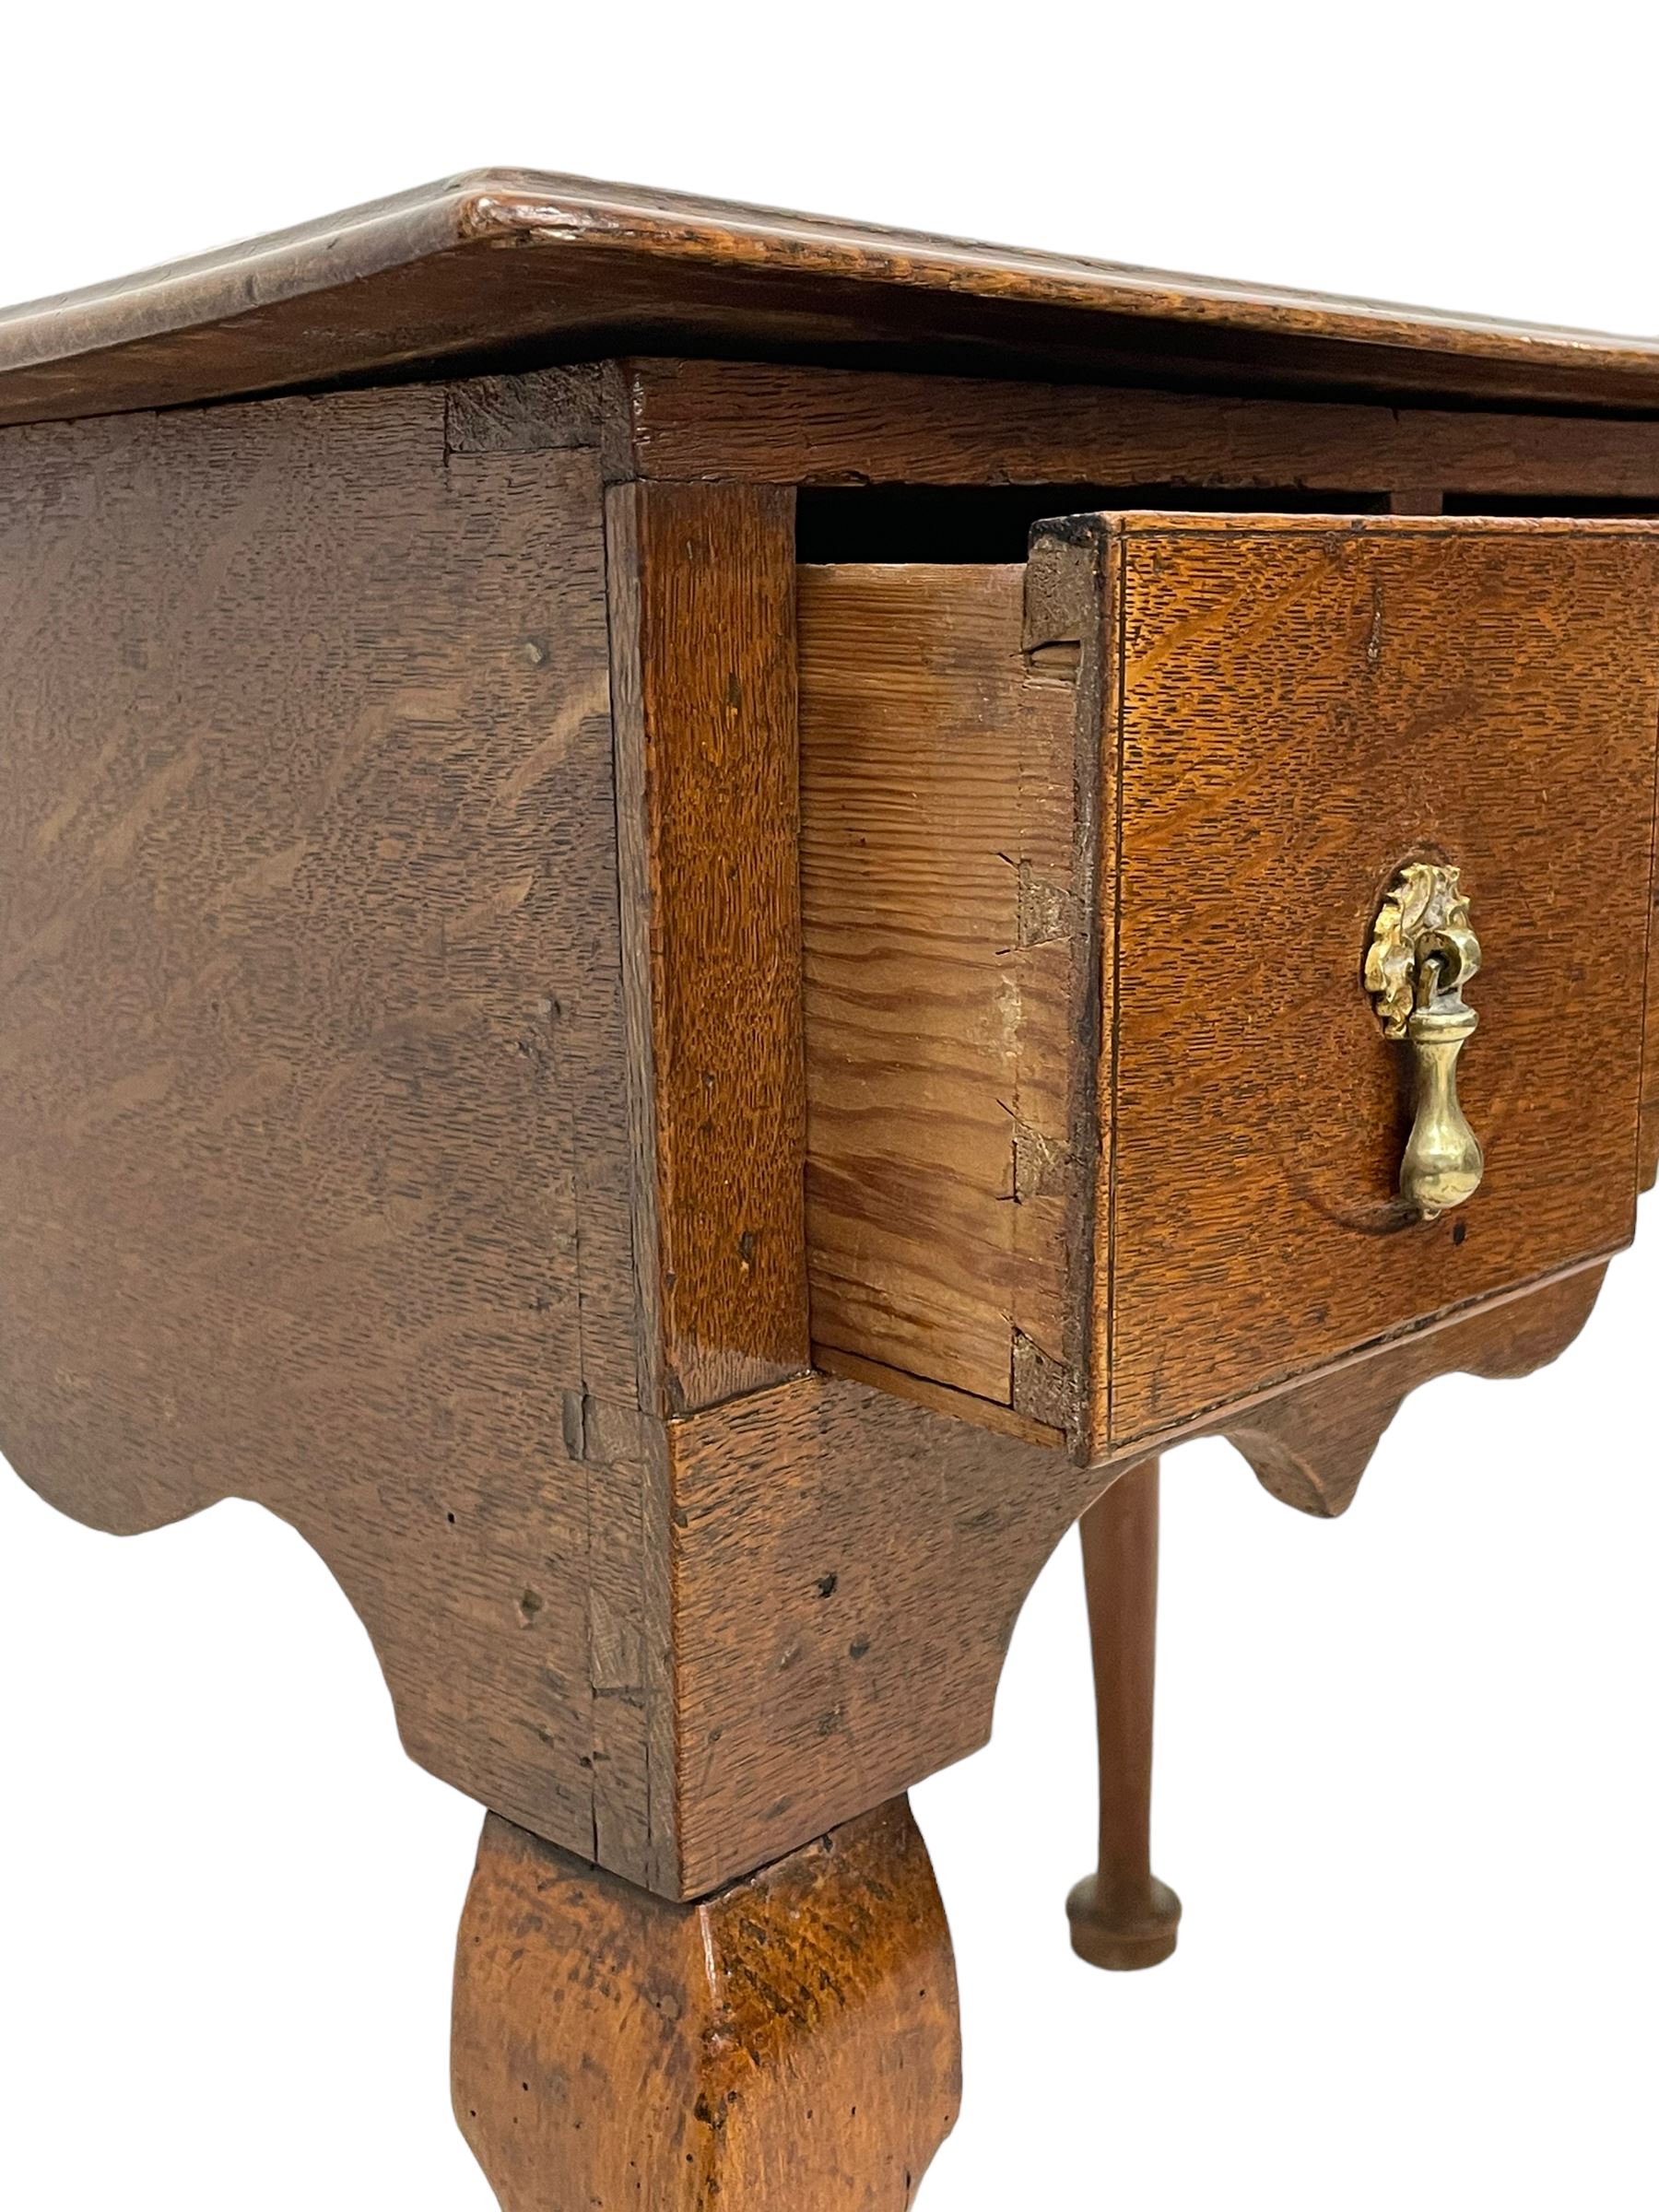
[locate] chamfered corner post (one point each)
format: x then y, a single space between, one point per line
791 2040
1121 1916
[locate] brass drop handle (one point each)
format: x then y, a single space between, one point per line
1422 952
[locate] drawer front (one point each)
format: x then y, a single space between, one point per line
1301 710
1105 1132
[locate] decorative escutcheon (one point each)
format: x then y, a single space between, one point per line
1422 953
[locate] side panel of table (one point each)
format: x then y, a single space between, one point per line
315 1174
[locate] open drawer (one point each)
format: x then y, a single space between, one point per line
1107 1132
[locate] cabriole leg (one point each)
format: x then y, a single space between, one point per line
789 2044
1122 1916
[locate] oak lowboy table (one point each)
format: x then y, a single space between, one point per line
703 916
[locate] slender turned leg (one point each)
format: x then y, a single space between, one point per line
1124 1917
789 2044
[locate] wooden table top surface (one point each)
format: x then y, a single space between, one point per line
510 267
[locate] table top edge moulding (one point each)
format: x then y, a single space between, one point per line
508 267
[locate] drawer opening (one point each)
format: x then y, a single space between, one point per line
993 522
976 523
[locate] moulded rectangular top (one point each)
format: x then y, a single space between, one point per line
509 268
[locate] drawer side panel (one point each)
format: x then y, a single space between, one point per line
939 925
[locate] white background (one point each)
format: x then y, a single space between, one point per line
1405 1773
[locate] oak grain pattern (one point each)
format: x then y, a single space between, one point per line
1648 1132
1303 707
791 2040
703 618
804 423
1311 1447
937 919
538 411
849 1567
314 1179
479 267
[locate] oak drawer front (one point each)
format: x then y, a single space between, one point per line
1104 1131
1299 710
